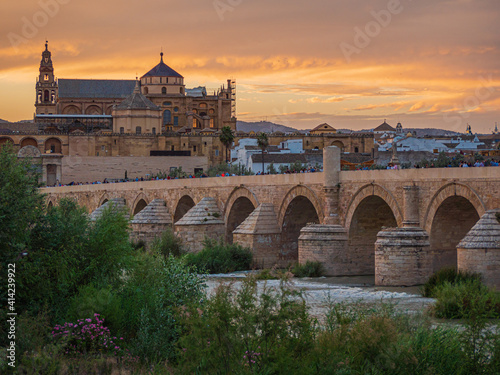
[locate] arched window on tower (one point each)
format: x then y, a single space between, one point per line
167 117
46 96
163 90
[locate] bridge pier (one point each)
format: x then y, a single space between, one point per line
150 222
479 251
327 243
261 233
202 221
402 255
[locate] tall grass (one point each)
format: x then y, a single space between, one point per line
308 269
218 257
447 275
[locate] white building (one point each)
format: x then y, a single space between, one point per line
246 154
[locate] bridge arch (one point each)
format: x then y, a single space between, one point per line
373 190
104 198
240 204
299 207
140 202
452 212
184 204
297 191
447 191
51 202
370 209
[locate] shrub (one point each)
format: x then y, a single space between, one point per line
155 287
89 337
218 257
465 299
266 274
32 332
309 269
450 275
139 245
104 301
246 331
168 244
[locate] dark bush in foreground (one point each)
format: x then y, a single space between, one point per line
457 301
446 275
218 257
168 244
309 269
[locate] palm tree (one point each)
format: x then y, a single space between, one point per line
262 142
226 137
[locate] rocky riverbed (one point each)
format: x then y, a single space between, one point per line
320 292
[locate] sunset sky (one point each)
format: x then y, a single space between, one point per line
350 63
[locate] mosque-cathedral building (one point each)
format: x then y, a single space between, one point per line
157 103
152 123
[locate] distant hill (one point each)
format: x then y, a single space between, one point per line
264 126
431 132
2 120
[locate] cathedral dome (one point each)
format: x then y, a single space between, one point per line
162 70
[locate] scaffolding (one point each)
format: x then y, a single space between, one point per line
233 98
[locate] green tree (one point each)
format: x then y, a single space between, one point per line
226 137
263 143
21 207
271 169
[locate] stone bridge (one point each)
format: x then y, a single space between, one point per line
350 208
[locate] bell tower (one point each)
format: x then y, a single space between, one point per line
46 85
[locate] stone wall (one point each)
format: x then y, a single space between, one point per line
93 168
146 233
264 248
402 257
193 236
483 261
326 244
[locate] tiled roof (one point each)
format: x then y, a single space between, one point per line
154 213
114 204
356 158
205 212
484 235
198 92
384 127
162 70
95 88
270 148
262 220
280 158
323 127
137 101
